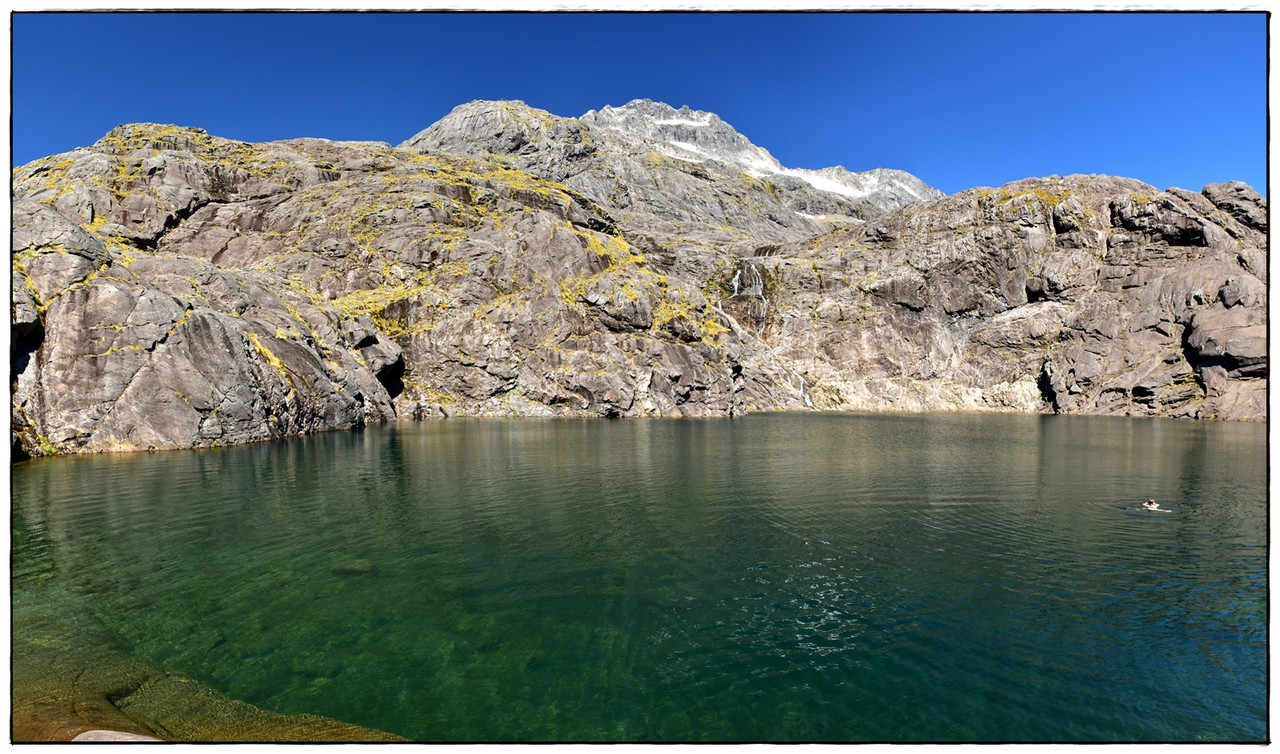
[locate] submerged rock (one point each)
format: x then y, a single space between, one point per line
75 679
112 735
354 567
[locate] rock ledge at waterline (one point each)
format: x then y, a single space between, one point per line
174 289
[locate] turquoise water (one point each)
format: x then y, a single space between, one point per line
770 578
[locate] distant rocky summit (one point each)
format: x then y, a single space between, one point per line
672 173
173 289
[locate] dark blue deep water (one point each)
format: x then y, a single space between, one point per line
953 577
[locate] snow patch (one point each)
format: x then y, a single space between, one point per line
682 122
686 146
826 218
760 165
681 157
824 183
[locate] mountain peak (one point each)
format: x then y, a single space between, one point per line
645 131
687 134
658 110
502 127
697 135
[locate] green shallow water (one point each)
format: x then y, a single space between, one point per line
767 578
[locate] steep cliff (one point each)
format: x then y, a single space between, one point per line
1083 294
174 289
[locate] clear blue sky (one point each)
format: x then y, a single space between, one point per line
961 100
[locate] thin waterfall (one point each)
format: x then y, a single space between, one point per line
755 281
748 306
803 394
748 284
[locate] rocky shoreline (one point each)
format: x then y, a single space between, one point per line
172 289
72 675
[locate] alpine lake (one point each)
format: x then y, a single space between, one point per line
774 577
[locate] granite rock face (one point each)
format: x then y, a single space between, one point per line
1083 294
174 289
683 177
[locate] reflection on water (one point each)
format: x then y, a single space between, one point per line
785 577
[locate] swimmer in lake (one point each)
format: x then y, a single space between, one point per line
1151 504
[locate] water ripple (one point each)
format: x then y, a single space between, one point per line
808 578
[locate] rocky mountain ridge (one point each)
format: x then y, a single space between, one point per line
669 171
175 289
698 136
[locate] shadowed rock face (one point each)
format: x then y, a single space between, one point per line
173 289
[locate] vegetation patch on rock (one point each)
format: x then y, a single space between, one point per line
174 289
